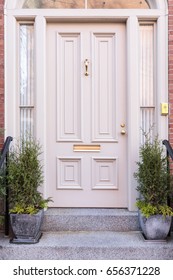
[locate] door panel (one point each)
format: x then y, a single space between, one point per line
104 173
86 152
104 92
68 87
68 173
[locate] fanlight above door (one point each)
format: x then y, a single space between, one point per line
86 4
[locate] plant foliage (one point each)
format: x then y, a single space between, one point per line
2 178
25 176
2 184
148 209
153 179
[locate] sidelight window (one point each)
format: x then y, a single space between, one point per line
147 87
26 78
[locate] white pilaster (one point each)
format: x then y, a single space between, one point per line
133 106
40 87
162 74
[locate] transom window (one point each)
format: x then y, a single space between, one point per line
86 4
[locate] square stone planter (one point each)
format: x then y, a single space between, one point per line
26 227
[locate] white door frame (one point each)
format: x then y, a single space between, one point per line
40 17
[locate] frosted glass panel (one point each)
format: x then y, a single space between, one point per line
147 65
117 4
90 4
26 66
147 92
26 121
55 4
147 122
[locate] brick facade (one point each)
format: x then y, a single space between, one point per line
1 70
170 69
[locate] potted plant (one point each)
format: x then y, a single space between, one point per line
2 198
26 204
2 195
153 180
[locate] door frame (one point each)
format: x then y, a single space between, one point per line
40 17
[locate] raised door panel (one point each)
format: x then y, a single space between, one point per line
103 90
104 173
68 173
68 87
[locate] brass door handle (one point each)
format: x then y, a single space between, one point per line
123 131
86 63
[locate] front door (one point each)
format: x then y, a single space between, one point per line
86 115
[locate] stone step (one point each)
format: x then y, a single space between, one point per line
83 219
88 245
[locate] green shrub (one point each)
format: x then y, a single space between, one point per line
25 176
153 179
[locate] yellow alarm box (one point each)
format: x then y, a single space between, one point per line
164 109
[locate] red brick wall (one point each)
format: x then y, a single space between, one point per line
170 69
1 70
1 86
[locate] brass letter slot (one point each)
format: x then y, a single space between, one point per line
86 148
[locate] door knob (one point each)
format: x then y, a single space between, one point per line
123 131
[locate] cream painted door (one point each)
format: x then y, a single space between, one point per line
86 115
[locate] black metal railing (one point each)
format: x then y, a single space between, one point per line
4 170
169 154
168 148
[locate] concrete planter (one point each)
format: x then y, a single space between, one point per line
26 228
155 227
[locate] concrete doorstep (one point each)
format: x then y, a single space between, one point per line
90 219
89 234
88 245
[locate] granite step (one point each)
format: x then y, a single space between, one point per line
93 234
85 219
88 245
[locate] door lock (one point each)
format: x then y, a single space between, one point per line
123 131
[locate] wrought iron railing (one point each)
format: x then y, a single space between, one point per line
168 148
4 170
169 154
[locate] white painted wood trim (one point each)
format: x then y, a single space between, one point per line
133 107
40 88
85 13
162 74
158 4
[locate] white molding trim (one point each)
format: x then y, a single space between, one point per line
40 87
133 106
82 14
158 4
162 74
